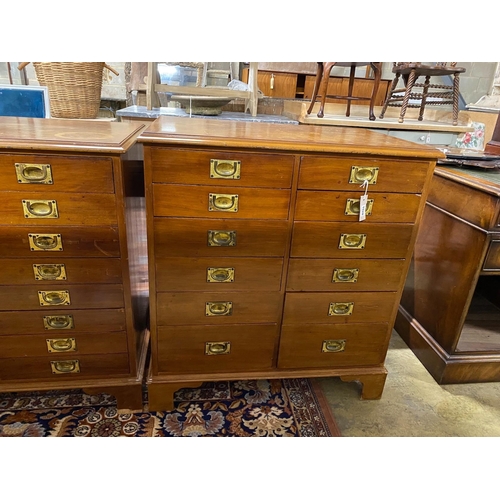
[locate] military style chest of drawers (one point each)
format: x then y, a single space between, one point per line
260 266
67 300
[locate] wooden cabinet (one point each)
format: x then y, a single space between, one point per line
71 310
450 309
259 264
283 85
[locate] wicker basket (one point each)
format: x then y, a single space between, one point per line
74 87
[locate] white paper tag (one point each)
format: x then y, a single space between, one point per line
362 206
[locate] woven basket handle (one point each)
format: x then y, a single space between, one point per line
111 69
24 64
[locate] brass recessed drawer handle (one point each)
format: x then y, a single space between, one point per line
219 202
62 322
45 242
220 274
61 345
33 173
340 308
40 209
67 366
219 308
345 275
49 271
221 238
352 241
54 298
361 174
215 348
333 345
353 206
225 169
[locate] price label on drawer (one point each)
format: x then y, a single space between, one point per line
363 200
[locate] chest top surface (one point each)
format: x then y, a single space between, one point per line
67 135
305 138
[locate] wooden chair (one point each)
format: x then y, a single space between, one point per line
321 85
439 94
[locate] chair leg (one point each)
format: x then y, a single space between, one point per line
377 71
389 95
349 90
324 86
424 98
409 85
456 94
319 74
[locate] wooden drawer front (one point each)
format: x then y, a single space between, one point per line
82 366
58 208
492 260
302 346
218 237
195 167
181 349
62 344
67 241
323 239
24 298
178 274
333 173
172 200
59 270
366 307
333 275
56 173
62 321
218 308
344 206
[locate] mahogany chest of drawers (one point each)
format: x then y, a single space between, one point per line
260 266
68 305
450 307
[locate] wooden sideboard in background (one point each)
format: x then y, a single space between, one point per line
288 85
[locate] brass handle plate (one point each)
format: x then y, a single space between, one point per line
220 274
33 173
54 298
340 308
219 308
218 202
352 206
216 348
352 241
49 272
345 275
66 366
334 345
45 242
361 174
221 238
225 169
40 209
61 345
59 322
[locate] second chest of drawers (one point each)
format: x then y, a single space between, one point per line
66 314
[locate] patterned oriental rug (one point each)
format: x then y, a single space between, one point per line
251 408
